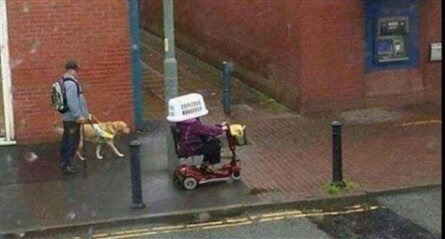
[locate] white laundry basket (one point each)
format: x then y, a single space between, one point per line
186 107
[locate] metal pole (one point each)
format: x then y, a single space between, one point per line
170 74
136 64
136 188
170 65
337 176
226 71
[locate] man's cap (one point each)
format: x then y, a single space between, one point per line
71 65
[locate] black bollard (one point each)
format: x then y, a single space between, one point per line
136 189
226 71
337 176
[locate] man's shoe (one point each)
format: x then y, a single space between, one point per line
68 170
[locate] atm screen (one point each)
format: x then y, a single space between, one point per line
384 46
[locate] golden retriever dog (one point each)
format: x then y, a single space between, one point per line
113 128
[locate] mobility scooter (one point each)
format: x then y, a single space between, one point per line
190 176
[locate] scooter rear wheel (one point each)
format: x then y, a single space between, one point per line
189 183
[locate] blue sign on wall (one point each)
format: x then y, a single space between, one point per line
391 34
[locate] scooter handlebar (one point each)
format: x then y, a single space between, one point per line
230 138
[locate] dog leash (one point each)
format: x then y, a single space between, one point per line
92 116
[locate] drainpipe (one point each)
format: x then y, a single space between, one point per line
136 64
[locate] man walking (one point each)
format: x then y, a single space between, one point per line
76 115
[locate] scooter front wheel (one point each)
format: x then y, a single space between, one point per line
236 175
189 183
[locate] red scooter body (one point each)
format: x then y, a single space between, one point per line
189 176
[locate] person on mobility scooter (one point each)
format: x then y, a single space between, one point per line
195 138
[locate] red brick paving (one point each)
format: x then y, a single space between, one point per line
292 157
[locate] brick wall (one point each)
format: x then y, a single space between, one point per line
259 37
43 35
308 54
332 52
430 30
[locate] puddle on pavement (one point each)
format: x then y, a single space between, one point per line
379 223
40 162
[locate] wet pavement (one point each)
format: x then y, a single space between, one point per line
102 193
414 214
287 159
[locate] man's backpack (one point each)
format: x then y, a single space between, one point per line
58 95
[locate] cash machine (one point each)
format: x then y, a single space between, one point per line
391 39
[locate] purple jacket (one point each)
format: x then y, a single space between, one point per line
191 133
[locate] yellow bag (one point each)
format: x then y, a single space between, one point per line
238 131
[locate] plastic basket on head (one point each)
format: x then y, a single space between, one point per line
186 107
